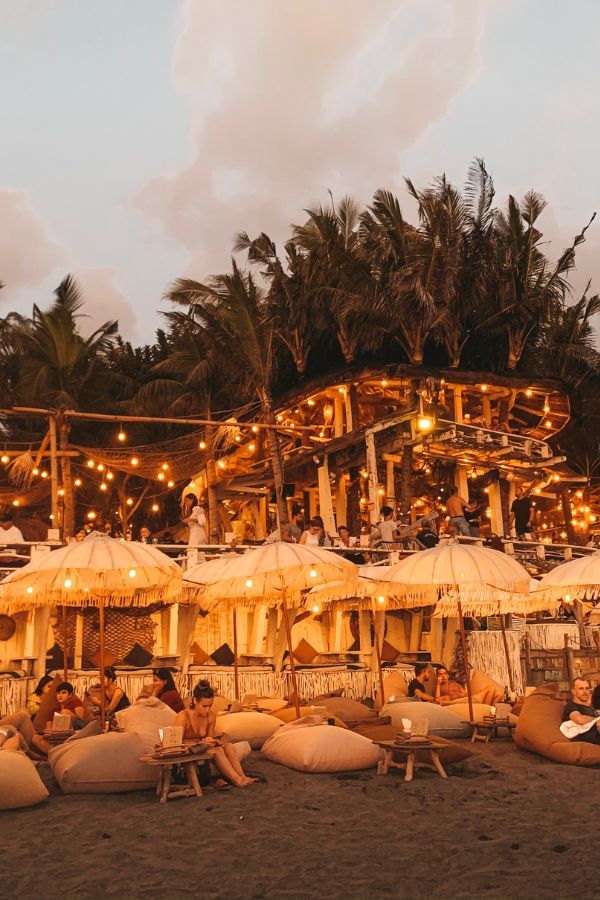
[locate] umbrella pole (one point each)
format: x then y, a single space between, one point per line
102 652
65 657
511 683
288 633
463 641
236 679
378 657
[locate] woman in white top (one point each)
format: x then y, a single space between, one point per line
195 518
316 535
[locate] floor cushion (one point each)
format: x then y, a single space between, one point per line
20 784
145 717
106 764
289 714
310 747
442 722
254 727
345 708
450 752
394 685
538 730
270 704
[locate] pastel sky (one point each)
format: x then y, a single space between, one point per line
138 136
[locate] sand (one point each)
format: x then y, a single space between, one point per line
504 824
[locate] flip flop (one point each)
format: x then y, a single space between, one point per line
221 785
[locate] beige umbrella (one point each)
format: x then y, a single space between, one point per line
274 574
99 571
467 575
578 579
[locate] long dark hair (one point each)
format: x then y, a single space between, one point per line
44 680
164 674
202 691
109 672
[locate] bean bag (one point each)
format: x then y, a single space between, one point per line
20 784
308 746
538 730
442 722
106 764
145 717
270 704
488 690
254 727
450 752
220 704
394 685
288 714
345 708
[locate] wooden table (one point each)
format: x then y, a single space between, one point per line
408 751
484 730
188 761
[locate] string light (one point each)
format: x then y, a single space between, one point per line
202 445
110 476
161 476
548 423
484 388
248 582
100 467
5 458
68 583
103 486
255 429
381 599
134 461
384 382
528 392
310 402
77 482
129 501
237 438
132 573
155 507
170 484
280 418
313 573
221 464
165 466
121 436
44 474
16 502
61 492
315 609
252 447
30 590
91 464
35 471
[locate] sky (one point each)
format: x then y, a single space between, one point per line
139 136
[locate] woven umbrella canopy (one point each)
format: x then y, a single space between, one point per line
276 574
578 579
99 571
468 579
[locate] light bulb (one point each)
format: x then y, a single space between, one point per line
484 388
129 501
103 487
255 429
315 608
134 461
528 392
424 423
381 599
35 471
202 445
18 502
567 597
100 467
61 492
313 573
155 507
170 484
248 582
311 402
132 573
68 583
221 464
165 466
77 482
161 476
90 463
5 458
30 590
252 447
44 474
237 438
121 436
384 382
110 476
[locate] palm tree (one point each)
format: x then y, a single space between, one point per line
234 313
61 369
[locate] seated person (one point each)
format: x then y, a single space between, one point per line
20 724
580 710
344 540
166 690
116 698
416 688
447 690
34 701
199 725
70 704
426 535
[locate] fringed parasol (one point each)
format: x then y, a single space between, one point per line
578 579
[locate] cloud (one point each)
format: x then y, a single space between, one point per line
103 301
288 100
27 253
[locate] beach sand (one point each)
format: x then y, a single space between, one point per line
505 824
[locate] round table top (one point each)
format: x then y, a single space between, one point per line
175 759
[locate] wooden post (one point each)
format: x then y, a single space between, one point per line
373 478
511 683
569 667
378 657
65 645
325 499
102 655
53 471
288 632
236 680
463 640
527 659
78 649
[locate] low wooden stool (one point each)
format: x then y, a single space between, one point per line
409 751
188 761
484 730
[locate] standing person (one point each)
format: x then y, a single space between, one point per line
388 527
456 506
520 515
9 533
296 526
473 517
195 517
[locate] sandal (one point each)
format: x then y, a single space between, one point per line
220 784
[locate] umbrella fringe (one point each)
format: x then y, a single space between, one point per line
139 598
448 606
558 593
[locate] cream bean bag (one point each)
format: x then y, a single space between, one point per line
254 727
288 714
538 730
486 689
308 746
270 704
345 708
145 717
105 764
442 722
20 784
